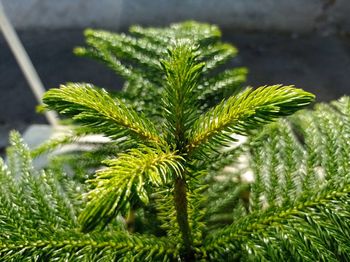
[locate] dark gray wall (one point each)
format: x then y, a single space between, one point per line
299 42
266 15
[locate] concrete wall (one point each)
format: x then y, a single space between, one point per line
328 16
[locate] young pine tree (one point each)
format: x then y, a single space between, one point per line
164 193
164 171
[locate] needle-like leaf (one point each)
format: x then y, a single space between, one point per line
244 112
126 180
96 109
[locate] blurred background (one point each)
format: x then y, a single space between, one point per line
305 43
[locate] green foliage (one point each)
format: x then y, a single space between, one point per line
245 112
182 73
137 58
299 202
172 185
95 109
127 177
39 219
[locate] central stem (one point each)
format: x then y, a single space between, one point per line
180 197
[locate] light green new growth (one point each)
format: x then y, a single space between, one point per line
100 112
246 111
126 180
169 188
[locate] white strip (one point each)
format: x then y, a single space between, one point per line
24 62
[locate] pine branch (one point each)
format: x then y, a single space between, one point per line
52 144
223 199
126 181
306 230
290 157
334 150
182 73
277 164
136 58
103 54
72 245
217 55
244 112
325 133
33 204
300 202
130 57
163 202
198 32
97 110
29 196
221 86
38 220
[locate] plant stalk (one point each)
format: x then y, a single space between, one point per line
180 197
